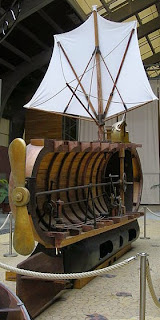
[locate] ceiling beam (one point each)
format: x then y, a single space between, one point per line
11 80
148 27
130 9
7 64
158 7
155 58
16 51
148 39
32 36
50 21
29 7
76 7
106 6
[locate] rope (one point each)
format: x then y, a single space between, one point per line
53 276
4 223
150 285
155 214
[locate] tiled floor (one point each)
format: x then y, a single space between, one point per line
114 296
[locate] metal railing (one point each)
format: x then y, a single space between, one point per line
145 209
144 276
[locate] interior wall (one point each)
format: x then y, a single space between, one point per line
4 140
143 127
4 132
87 131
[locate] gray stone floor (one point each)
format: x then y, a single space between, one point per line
114 296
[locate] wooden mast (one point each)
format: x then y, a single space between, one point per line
98 68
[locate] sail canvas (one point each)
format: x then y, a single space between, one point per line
70 83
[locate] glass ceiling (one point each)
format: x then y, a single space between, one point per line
147 21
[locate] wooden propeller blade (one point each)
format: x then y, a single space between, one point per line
23 239
17 156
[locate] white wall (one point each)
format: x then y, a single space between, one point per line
4 132
142 124
143 128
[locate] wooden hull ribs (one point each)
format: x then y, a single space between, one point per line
11 307
84 199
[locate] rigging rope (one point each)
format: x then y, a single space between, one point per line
119 102
155 214
38 104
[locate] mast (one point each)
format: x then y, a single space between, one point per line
99 82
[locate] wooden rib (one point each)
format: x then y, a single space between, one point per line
60 184
86 180
92 178
80 181
101 189
74 216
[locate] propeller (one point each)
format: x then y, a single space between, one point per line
23 239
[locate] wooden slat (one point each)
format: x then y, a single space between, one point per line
37 142
40 124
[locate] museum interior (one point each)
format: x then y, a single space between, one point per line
79 159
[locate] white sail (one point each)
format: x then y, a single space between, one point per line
132 87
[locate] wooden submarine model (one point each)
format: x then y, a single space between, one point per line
79 200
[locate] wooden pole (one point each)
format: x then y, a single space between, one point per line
98 68
79 82
121 157
118 74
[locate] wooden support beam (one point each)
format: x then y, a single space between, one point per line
16 51
29 7
32 36
78 9
106 6
10 81
148 27
7 64
50 21
155 58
